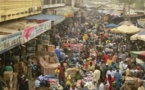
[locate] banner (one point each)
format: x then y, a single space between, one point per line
14 39
41 28
28 34
3 43
35 31
10 41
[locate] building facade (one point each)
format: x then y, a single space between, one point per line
53 3
13 9
76 2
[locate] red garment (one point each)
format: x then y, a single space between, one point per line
62 72
110 82
105 58
65 45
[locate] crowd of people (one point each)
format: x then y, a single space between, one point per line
97 54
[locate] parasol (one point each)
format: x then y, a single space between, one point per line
138 54
139 36
111 25
126 29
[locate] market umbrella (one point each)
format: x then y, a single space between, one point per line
139 36
111 26
125 23
138 54
126 29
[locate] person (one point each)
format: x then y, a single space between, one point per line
22 82
141 87
58 53
8 67
103 67
123 56
101 85
113 65
128 72
91 67
109 61
96 74
77 75
110 72
109 81
30 69
61 74
118 77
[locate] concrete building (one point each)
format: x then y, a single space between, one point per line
53 3
13 9
76 2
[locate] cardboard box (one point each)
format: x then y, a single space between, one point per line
47 68
39 47
45 42
51 48
42 53
52 60
46 58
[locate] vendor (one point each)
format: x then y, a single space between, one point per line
91 67
77 75
8 67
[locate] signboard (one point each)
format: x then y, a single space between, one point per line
14 40
43 27
35 31
10 41
28 34
3 43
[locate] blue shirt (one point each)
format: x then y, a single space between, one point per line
58 53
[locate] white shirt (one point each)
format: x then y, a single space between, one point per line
96 75
101 86
122 66
110 72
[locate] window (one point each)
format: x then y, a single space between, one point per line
53 1
45 2
59 1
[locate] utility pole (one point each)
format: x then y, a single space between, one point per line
73 3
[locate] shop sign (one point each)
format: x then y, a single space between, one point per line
41 28
28 34
59 20
10 41
35 31
3 43
14 39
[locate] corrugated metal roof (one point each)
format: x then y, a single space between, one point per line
44 17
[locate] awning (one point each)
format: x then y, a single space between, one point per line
56 18
138 54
